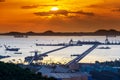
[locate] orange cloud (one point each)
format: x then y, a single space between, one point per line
79 15
35 6
2 0
29 7
116 10
63 12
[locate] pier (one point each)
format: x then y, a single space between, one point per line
80 43
37 56
81 56
73 43
53 51
70 43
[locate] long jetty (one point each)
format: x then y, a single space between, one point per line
75 43
77 59
80 43
45 53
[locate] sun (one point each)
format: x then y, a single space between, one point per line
54 9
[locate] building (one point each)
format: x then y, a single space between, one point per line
61 73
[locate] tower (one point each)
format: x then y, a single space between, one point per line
107 40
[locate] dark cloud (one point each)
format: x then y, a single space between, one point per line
2 0
29 7
42 13
84 13
101 6
48 5
116 10
94 6
63 12
59 12
34 6
107 4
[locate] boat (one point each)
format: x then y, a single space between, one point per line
104 48
75 55
11 49
1 57
18 53
20 36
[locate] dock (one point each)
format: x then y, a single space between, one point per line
94 45
79 57
80 43
45 53
40 56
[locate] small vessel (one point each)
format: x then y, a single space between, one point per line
75 55
11 49
1 57
104 48
20 36
18 53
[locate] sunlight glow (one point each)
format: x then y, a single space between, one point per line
54 8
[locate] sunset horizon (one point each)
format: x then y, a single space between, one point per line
59 15
59 39
51 31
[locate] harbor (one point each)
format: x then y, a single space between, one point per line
57 58
59 40
54 46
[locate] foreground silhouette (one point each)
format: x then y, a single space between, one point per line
10 71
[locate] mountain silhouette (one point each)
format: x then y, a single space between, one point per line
100 32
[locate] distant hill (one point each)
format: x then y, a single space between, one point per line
107 32
101 32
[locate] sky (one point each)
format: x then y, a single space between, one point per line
59 15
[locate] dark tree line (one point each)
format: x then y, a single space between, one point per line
115 63
10 71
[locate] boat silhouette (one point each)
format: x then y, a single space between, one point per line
18 53
104 48
20 36
11 49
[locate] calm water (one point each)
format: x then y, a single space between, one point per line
28 44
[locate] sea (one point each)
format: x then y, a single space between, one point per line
27 45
